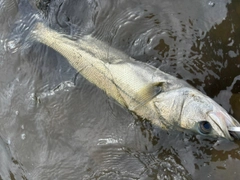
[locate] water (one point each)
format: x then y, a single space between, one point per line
56 125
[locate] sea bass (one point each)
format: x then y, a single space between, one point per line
151 94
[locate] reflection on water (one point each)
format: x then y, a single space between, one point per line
55 124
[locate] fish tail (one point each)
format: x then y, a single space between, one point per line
38 32
21 37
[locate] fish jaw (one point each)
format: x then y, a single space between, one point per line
220 122
227 122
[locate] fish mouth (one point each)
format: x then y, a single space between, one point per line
234 132
229 126
234 128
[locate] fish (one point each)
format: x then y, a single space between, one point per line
151 94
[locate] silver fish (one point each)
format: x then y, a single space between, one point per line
151 94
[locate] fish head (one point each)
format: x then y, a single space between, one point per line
191 110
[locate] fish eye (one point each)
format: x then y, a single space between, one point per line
205 127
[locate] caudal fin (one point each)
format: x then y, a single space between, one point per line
20 36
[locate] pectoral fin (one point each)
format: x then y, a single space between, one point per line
146 94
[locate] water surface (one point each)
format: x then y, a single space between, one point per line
56 125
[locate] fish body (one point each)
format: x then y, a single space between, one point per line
145 90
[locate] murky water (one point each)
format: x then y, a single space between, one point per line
56 125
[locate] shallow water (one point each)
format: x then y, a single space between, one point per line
56 125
